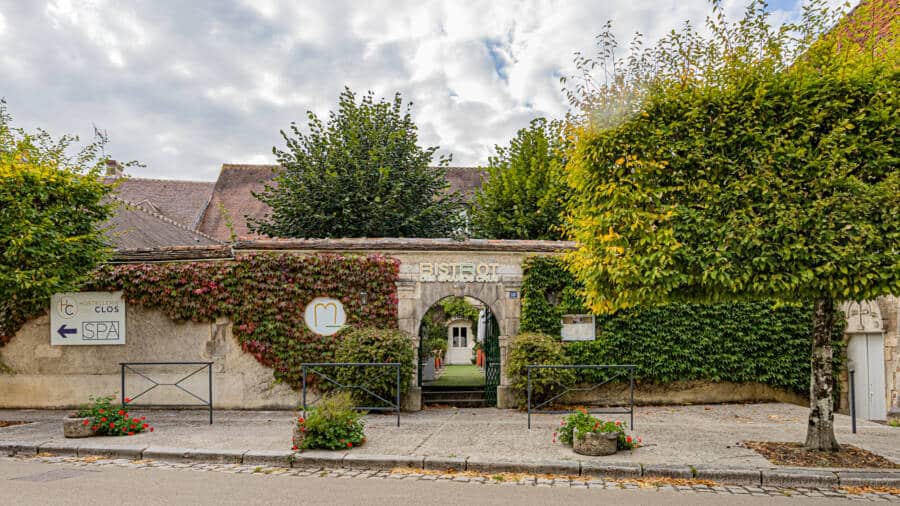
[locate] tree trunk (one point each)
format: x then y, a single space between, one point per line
820 433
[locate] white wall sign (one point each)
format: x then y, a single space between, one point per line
578 327
85 318
443 272
325 316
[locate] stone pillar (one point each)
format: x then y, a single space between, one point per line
890 312
408 321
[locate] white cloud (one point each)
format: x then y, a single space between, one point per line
185 87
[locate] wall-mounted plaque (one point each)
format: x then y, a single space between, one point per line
578 327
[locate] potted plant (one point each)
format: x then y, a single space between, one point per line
101 418
589 435
75 425
333 424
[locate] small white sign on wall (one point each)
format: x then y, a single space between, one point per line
87 318
578 327
325 316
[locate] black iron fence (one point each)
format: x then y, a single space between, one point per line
616 372
375 398
139 368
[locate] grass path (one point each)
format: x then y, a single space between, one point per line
460 376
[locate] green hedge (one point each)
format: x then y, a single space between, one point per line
737 342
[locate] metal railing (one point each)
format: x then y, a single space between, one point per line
617 370
316 369
208 402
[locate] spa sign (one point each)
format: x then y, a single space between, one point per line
467 272
86 318
325 316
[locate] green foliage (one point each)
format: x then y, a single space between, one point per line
107 419
460 307
361 174
525 193
369 344
51 208
727 342
537 349
265 296
549 291
748 179
586 423
434 333
332 424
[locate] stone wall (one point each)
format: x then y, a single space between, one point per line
38 375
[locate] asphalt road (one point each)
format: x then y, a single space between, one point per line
25 483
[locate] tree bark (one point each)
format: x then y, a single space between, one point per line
820 433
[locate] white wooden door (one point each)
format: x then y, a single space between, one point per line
459 345
866 355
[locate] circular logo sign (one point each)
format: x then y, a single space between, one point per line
325 316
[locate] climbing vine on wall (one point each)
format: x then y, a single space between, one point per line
736 342
265 296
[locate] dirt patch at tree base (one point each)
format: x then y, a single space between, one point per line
795 454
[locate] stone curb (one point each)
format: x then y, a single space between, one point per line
779 477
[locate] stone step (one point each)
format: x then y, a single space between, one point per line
463 397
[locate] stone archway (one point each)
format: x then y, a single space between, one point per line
416 294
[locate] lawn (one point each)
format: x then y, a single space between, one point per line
460 376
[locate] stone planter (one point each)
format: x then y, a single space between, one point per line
594 443
75 427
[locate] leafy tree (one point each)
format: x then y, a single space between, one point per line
51 207
525 193
361 174
755 163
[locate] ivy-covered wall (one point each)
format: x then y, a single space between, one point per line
265 296
737 342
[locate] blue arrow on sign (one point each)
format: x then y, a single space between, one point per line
63 331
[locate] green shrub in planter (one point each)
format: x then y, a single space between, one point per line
367 344
332 424
541 349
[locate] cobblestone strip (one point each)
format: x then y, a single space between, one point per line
471 478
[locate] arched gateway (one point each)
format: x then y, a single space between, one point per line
433 269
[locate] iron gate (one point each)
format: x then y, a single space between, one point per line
491 358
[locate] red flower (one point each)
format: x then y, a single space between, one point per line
102 411
131 433
301 420
112 425
639 440
618 423
103 419
127 400
143 418
151 429
86 422
628 439
294 448
95 428
121 412
144 426
349 444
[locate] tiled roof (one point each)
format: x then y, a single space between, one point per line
136 227
181 201
465 180
233 196
234 189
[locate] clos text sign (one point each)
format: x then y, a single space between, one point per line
85 318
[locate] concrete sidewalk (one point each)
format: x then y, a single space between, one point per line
677 440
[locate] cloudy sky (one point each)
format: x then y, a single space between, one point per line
184 86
